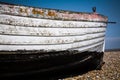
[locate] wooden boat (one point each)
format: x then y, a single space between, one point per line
39 39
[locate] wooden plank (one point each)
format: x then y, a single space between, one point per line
7 39
50 13
51 47
95 47
47 32
33 22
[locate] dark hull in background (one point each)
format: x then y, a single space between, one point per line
30 63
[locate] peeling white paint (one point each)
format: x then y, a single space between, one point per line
27 33
7 39
35 31
49 13
25 21
51 47
95 47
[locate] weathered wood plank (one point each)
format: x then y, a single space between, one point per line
51 47
8 39
50 13
25 21
35 31
98 47
94 47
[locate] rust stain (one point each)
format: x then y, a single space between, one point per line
23 10
51 13
34 11
10 6
41 12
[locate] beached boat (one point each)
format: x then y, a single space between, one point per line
39 39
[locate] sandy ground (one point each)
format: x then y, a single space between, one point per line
110 70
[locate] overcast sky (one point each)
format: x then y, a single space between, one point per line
110 8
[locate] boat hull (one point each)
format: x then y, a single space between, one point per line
31 64
28 28
68 35
36 40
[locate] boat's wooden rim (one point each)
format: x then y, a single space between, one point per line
60 10
103 20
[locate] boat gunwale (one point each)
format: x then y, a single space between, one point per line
57 18
57 10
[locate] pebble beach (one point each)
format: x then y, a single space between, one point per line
109 71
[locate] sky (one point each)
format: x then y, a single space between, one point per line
110 8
